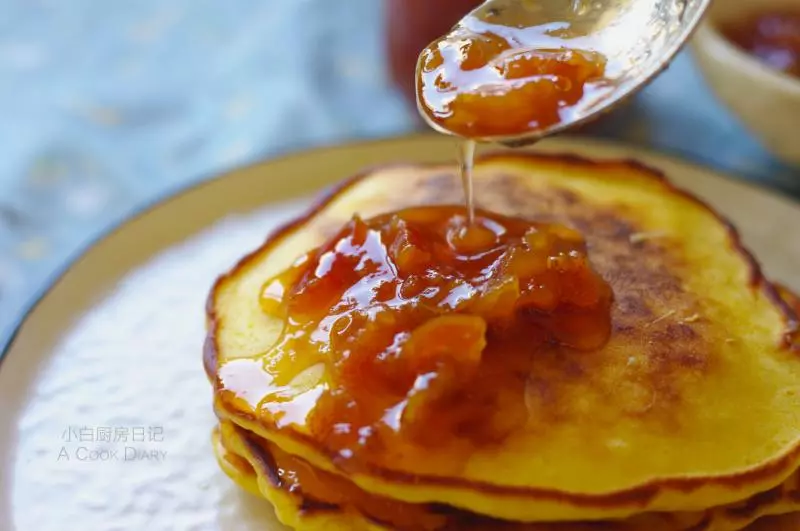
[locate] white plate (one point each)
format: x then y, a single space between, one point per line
113 350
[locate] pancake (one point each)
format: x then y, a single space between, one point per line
790 298
236 465
692 404
306 498
787 522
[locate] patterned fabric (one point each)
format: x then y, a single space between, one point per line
108 105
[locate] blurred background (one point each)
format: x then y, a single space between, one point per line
108 106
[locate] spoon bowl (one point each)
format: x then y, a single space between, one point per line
638 38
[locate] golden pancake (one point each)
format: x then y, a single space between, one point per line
692 404
787 522
790 298
306 498
236 465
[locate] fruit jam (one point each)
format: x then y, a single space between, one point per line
418 327
478 84
774 38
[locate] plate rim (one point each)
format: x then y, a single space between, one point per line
46 286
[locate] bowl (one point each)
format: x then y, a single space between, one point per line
766 100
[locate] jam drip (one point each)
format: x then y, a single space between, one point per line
426 325
480 85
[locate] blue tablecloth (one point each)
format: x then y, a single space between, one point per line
107 105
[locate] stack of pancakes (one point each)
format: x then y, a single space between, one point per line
688 419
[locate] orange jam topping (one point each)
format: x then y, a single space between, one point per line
426 326
480 85
774 38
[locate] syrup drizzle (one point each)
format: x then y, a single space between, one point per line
466 163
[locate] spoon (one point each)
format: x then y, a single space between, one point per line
639 38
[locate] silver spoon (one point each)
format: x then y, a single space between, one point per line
638 37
